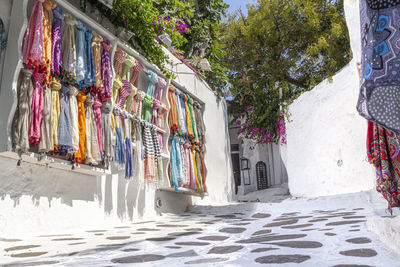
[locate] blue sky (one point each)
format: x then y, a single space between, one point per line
236 4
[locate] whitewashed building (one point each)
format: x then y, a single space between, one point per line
48 195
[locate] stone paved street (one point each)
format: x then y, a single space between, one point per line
294 232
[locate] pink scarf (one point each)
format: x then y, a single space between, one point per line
97 117
32 50
36 108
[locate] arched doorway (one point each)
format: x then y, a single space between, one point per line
261 172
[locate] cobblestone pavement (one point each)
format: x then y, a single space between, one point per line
291 233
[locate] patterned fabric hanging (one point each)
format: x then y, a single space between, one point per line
383 150
180 106
131 105
36 108
193 117
203 171
56 51
124 92
136 73
64 123
137 157
81 98
157 156
199 172
380 63
106 73
117 84
55 109
188 117
201 129
68 45
25 90
32 50
119 59
139 100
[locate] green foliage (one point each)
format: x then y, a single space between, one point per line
147 17
287 45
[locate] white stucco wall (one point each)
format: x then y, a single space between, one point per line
327 130
34 198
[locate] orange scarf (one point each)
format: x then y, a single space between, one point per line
173 116
47 6
80 155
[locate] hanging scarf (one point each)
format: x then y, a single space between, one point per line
32 50
3 38
90 74
193 184
188 182
106 73
128 65
162 110
119 147
152 80
188 117
155 108
184 170
200 127
55 109
97 117
80 52
160 140
137 155
182 114
149 163
124 92
193 117
131 105
173 116
198 189
157 156
117 84
48 5
36 108
56 63
175 161
25 90
81 98
69 52
96 47
383 149
119 59
46 140
200 179
147 107
203 171
92 144
179 163
106 131
136 73
73 113
160 86
380 63
64 123
139 100
129 156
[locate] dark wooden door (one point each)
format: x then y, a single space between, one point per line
261 171
236 170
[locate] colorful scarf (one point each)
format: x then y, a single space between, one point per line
36 108
106 73
81 98
32 50
56 63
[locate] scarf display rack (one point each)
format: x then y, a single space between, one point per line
143 114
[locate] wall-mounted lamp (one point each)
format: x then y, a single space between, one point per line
166 39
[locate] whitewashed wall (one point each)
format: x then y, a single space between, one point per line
35 198
326 151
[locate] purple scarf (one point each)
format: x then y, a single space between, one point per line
106 71
56 62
